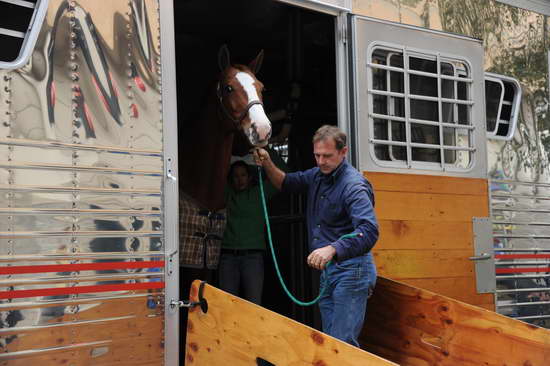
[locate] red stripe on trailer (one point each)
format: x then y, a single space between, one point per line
80 290
522 256
80 267
522 270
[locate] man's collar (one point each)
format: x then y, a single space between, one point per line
332 176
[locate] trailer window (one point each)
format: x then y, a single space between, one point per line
420 107
502 101
20 24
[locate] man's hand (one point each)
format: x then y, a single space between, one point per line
276 176
319 258
261 156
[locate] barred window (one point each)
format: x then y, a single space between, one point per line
420 109
502 102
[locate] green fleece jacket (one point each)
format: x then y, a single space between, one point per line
245 215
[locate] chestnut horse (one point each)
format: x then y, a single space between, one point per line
234 106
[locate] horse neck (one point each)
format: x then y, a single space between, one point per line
207 155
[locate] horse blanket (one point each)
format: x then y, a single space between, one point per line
201 234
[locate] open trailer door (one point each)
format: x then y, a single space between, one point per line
82 239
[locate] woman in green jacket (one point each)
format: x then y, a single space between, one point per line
243 246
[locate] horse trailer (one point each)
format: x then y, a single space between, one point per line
445 104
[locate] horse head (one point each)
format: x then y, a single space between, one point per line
240 98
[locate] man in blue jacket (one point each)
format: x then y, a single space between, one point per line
339 201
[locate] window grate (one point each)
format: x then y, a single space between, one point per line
420 109
502 101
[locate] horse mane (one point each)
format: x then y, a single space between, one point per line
241 67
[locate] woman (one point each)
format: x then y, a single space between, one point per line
243 246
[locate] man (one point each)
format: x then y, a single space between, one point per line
339 201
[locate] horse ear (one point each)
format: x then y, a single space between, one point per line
256 64
223 57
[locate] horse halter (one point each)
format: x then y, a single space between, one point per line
243 114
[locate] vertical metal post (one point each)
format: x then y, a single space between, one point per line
170 186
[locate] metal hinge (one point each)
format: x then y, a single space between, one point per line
344 29
170 264
482 257
169 170
183 304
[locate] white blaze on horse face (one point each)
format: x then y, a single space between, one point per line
259 130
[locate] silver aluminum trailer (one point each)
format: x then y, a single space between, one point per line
88 164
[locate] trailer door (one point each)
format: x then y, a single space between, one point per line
82 244
419 97
419 116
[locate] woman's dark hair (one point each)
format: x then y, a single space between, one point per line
236 164
240 163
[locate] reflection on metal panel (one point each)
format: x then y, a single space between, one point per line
519 171
81 234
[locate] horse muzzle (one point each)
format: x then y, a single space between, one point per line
259 131
258 135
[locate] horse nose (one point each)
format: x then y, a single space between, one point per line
260 124
262 131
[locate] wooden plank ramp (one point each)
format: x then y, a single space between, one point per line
411 326
236 332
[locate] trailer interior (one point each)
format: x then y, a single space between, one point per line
299 74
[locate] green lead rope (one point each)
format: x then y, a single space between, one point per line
324 285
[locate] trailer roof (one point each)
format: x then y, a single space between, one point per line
539 6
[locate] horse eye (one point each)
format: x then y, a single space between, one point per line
228 88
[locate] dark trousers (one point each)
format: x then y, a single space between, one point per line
243 269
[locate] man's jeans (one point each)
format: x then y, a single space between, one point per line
244 271
344 303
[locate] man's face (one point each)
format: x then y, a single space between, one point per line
327 156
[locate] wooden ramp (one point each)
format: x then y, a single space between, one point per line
236 332
411 326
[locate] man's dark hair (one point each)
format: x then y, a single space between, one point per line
333 132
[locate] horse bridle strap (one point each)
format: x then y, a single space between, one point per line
245 112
